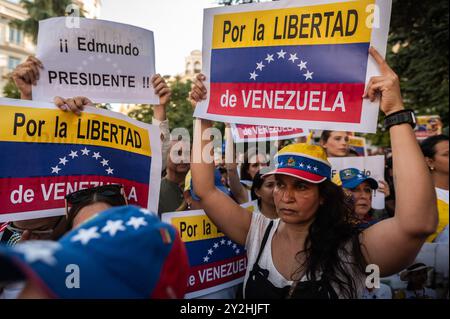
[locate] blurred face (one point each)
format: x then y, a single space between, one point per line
178 160
337 144
266 190
440 160
362 197
296 201
40 228
89 211
256 162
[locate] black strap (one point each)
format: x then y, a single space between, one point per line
263 243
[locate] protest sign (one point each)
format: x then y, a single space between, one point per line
372 166
259 133
427 125
358 144
296 63
47 153
216 262
105 61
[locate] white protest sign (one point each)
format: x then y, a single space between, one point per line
372 166
293 63
105 61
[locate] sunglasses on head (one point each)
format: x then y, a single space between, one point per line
112 191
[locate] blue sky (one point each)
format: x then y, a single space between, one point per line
177 26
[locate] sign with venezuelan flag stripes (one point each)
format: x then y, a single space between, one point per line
293 63
260 133
216 261
47 153
358 144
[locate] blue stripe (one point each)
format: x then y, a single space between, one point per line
336 63
198 249
303 163
37 159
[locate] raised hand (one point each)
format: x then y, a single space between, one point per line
25 75
386 86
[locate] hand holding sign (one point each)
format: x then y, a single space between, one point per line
388 85
161 89
198 90
25 75
76 104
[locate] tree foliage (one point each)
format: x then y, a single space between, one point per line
40 10
419 36
179 110
10 90
418 53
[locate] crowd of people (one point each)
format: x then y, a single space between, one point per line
308 237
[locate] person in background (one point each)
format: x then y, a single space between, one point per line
435 149
335 143
240 183
191 201
361 188
417 276
383 292
172 185
262 191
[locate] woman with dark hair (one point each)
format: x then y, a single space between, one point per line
251 165
335 143
312 250
262 191
435 150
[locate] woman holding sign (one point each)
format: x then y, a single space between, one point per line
312 250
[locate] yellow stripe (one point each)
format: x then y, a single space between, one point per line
193 228
238 30
22 124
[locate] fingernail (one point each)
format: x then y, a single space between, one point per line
64 107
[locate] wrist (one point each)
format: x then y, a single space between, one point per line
396 109
400 117
25 96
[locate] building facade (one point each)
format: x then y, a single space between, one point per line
15 46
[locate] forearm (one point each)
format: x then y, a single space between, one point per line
159 112
165 139
416 210
202 165
237 189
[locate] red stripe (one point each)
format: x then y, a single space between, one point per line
299 173
172 281
40 197
207 273
260 131
3 226
321 100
